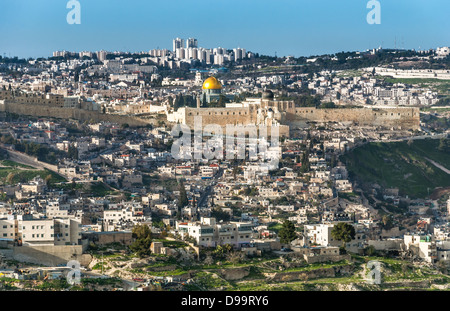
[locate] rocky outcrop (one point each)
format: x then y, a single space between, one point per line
235 273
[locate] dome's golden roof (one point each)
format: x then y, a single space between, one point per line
212 84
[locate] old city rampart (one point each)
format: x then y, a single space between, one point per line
69 113
399 117
404 117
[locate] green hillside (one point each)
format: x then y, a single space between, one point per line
401 165
13 173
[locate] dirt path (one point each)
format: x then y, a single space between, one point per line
439 166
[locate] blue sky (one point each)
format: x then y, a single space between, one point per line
35 28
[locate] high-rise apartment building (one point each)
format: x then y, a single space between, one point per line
191 43
178 43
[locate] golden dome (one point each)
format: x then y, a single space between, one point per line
212 84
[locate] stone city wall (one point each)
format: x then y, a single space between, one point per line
104 238
227 116
220 116
405 118
387 244
311 274
401 117
69 113
325 258
51 255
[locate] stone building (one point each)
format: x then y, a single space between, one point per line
285 115
212 89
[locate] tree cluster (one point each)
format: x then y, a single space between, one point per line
143 239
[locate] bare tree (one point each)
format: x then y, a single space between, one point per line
235 257
209 260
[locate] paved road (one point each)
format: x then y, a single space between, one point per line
208 189
204 196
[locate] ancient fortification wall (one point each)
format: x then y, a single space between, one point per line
405 118
220 116
402 117
227 116
69 113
